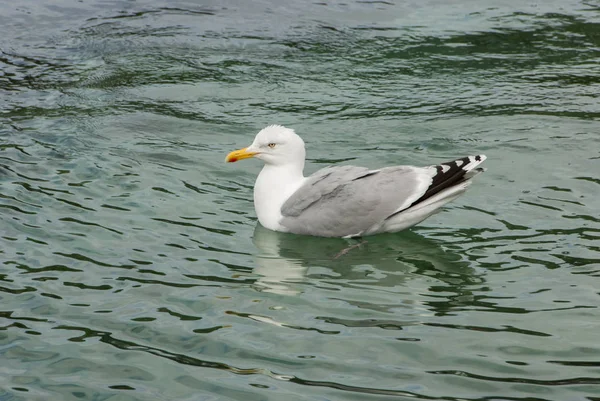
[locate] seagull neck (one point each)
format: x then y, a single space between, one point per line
274 185
288 172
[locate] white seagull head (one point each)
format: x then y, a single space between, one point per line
275 145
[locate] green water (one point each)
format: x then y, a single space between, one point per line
131 264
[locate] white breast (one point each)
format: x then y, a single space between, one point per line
274 185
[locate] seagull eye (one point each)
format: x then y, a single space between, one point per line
271 145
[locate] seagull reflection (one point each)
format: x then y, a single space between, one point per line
289 262
280 274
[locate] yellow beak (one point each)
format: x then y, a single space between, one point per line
239 155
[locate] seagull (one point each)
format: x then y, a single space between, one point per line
346 201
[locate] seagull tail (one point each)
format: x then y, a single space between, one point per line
449 181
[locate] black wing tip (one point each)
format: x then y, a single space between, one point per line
453 173
474 158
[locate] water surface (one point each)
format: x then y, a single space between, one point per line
132 266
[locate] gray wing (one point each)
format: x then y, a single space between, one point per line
348 200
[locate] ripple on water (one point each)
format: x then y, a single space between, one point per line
131 263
